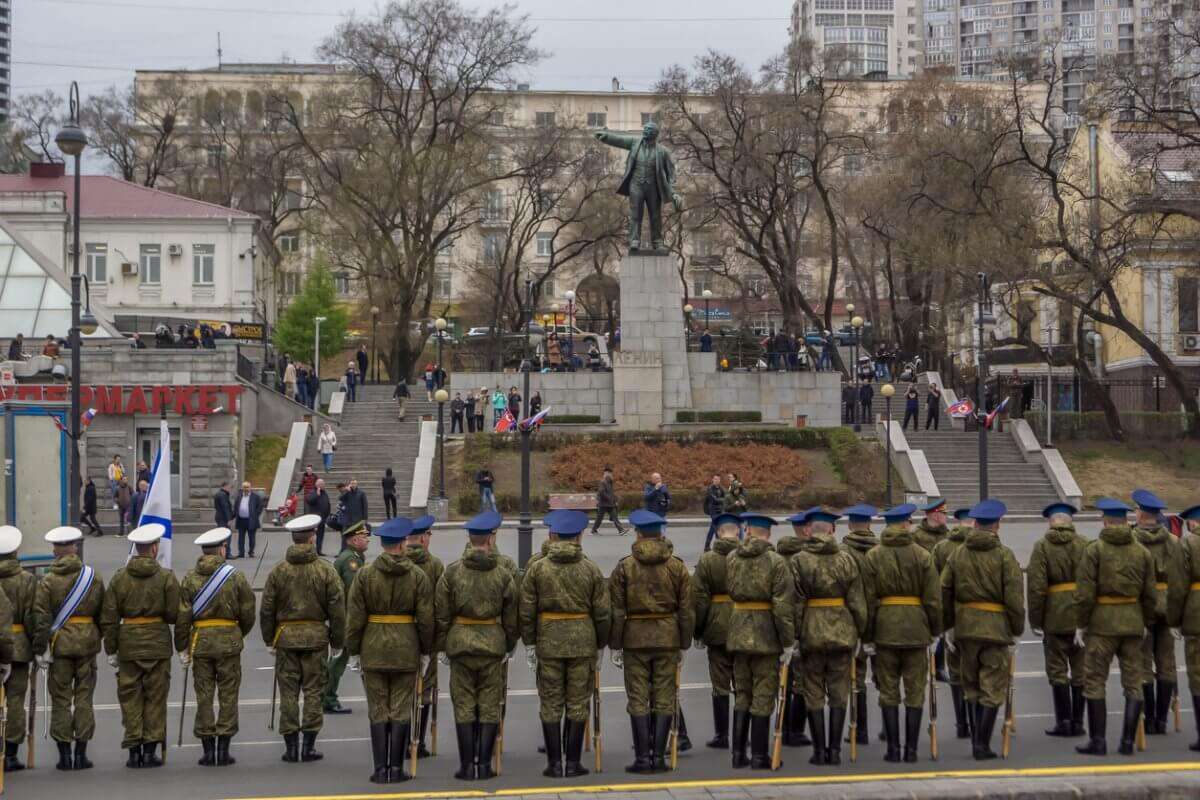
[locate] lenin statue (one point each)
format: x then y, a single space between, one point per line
649 181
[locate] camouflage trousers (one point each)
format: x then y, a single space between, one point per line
861 660
335 668
1064 661
71 684
219 679
756 683
650 681
565 684
720 670
954 666
985 672
389 695
299 671
1191 659
15 690
142 688
826 677
1098 653
477 688
1158 649
429 681
796 673
893 665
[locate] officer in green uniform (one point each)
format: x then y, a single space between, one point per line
942 551
349 561
216 612
1190 616
566 619
831 615
762 636
984 603
418 552
140 606
904 616
795 713
1115 600
17 586
710 587
302 617
654 618
929 533
1159 676
1050 583
477 628
66 641
389 634
859 541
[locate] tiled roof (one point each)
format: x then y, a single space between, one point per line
1175 160
105 197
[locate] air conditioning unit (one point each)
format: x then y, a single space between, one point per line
1191 341
175 250
129 268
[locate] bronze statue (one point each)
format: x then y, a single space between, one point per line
649 181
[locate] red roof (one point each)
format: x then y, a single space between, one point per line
105 197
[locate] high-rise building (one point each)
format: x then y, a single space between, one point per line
880 38
5 57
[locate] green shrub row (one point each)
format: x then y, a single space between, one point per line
718 416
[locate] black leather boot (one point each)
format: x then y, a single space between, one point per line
1062 710
64 757
552 736
573 749
985 723
837 718
379 752
800 714
720 705
133 762
465 733
1097 713
1133 712
1166 693
208 744
741 731
864 738
308 750
685 741
642 764
661 742
789 720
422 751
291 747
399 742
1195 748
487 747
961 729
223 757
149 759
81 759
760 739
912 733
891 731
1078 704
816 724
11 762
1148 698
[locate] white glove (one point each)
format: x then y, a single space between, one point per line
868 648
185 658
1175 632
1079 637
114 661
444 659
1038 633
337 653
618 659
786 656
44 662
699 644
355 664
531 659
425 663
1012 650
951 645
508 656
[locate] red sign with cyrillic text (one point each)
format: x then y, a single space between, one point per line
117 400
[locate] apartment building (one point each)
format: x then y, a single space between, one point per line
5 57
880 39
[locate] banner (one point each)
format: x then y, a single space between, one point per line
157 507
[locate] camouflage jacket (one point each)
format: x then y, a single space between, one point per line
894 574
1190 617
789 546
760 584
141 604
652 603
946 547
928 536
831 610
347 564
710 588
477 587
1116 566
430 564
6 632
234 601
508 565
983 595
392 586
565 582
303 603
73 640
1049 579
19 586
1168 573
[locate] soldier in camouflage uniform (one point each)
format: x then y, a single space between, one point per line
931 531
17 586
477 628
795 713
831 615
302 617
762 635
349 561
654 618
1190 616
566 619
1115 600
68 655
211 640
859 541
418 552
904 615
140 606
1159 676
983 600
389 634
710 589
1050 584
941 554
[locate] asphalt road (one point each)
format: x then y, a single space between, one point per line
344 771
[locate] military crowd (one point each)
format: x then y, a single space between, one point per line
789 628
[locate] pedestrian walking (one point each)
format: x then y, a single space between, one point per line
514 402
17 587
351 381
88 517
354 505
400 395
317 502
124 501
656 495
308 480
912 407
327 445
290 380
849 404
866 395
714 506
933 406
606 503
314 388
388 484
710 586
222 506
116 471
458 410
351 559
301 373
249 511
737 499
362 360
486 483
469 404
430 378
137 502
535 403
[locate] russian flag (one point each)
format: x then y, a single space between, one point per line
158 497
535 420
996 412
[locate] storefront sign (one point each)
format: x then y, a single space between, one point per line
250 331
200 399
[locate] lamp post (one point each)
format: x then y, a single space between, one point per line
887 391
525 524
374 339
441 396
570 295
439 325
687 325
983 317
317 355
707 295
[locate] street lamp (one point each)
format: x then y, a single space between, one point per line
887 391
374 351
856 324
525 524
570 295
983 318
441 396
317 355
71 140
707 295
439 325
687 323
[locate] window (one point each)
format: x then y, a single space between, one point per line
495 163
1066 323
544 119
150 263
446 248
1026 314
703 280
341 282
203 256
547 288
495 118
853 164
215 154
97 262
493 205
1188 290
545 245
493 248
441 285
597 119
289 243
289 284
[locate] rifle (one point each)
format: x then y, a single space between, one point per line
780 704
675 718
3 729
261 556
498 753
597 741
183 704
416 710
32 724
853 708
1140 738
433 722
1175 709
1006 736
933 710
274 687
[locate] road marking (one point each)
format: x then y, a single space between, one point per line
741 783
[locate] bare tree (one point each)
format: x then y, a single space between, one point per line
35 119
138 131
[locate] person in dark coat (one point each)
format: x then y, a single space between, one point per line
317 502
314 388
223 506
714 506
89 508
16 348
389 493
912 407
247 509
362 359
457 410
849 403
469 408
656 495
866 394
354 501
136 503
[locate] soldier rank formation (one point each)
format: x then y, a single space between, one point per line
789 628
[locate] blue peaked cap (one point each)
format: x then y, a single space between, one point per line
861 512
422 524
758 520
1059 508
1147 500
566 523
486 522
986 512
1190 513
1112 508
647 521
899 513
962 513
395 529
726 517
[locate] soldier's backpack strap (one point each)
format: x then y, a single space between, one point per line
211 587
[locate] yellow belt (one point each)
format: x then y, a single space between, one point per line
392 619
826 602
141 620
1115 600
899 600
1196 587
475 621
1061 587
292 623
557 615
752 605
18 628
650 616
1162 587
215 623
722 598
979 605
79 620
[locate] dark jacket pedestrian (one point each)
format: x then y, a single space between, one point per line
866 394
135 506
469 409
388 484
706 342
849 403
317 502
222 508
314 388
354 501
657 497
16 349
457 410
535 403
933 406
912 407
714 500
362 359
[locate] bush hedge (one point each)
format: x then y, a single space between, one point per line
573 419
718 416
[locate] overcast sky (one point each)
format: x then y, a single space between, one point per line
101 42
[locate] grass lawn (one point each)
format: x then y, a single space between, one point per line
262 458
1113 469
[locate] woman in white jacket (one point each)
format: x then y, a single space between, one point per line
326 444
